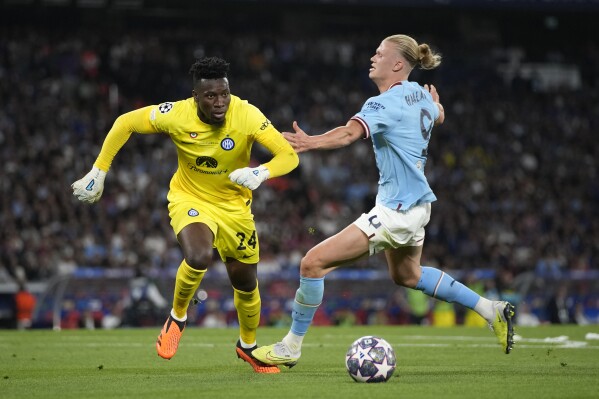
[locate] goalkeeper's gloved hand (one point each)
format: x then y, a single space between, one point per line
250 177
90 187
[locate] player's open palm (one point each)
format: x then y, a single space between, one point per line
298 140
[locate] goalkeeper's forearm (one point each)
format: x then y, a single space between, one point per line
284 159
282 163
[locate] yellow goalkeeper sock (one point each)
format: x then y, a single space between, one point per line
248 313
187 282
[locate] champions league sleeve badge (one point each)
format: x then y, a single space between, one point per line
165 107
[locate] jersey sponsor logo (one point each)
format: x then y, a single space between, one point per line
265 124
193 135
165 107
192 212
206 172
227 144
208 162
374 105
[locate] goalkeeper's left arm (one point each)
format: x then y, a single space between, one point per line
90 187
284 160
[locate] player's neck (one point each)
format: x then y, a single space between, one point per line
391 81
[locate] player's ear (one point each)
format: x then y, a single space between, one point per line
398 66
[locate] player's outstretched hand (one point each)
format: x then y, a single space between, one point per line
298 140
433 90
90 187
250 177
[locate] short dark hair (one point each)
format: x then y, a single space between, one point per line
209 68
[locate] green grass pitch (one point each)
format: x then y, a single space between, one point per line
547 362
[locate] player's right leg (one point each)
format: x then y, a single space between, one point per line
346 246
195 235
287 352
186 283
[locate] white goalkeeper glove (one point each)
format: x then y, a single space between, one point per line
250 177
90 187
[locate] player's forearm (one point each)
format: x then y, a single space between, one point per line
284 159
282 163
338 137
441 117
134 121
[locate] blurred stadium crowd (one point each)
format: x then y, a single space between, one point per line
514 167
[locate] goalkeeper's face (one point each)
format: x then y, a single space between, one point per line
212 97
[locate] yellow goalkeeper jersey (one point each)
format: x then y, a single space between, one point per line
206 153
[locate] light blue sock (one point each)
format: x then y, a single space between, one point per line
441 285
307 299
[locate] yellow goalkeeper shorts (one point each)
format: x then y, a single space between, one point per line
235 234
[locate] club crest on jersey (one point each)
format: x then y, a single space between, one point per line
165 107
227 144
193 135
193 213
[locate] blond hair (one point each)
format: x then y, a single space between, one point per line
418 55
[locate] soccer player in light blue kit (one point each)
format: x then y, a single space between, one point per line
399 121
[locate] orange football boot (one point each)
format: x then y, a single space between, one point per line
168 340
257 365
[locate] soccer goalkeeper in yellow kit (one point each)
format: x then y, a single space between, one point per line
210 194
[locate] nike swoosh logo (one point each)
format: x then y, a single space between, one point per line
270 357
252 315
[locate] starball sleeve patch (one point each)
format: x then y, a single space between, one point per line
165 107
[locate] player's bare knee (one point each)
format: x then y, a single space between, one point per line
243 277
407 282
244 285
199 259
404 278
397 279
310 268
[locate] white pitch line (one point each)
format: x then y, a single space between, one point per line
561 342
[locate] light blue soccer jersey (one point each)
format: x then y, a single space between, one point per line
399 122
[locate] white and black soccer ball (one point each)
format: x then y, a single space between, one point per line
370 359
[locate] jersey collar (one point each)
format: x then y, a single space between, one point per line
393 85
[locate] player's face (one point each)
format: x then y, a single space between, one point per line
213 98
385 62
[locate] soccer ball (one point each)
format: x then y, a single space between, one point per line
370 359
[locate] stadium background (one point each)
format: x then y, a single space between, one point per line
514 166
